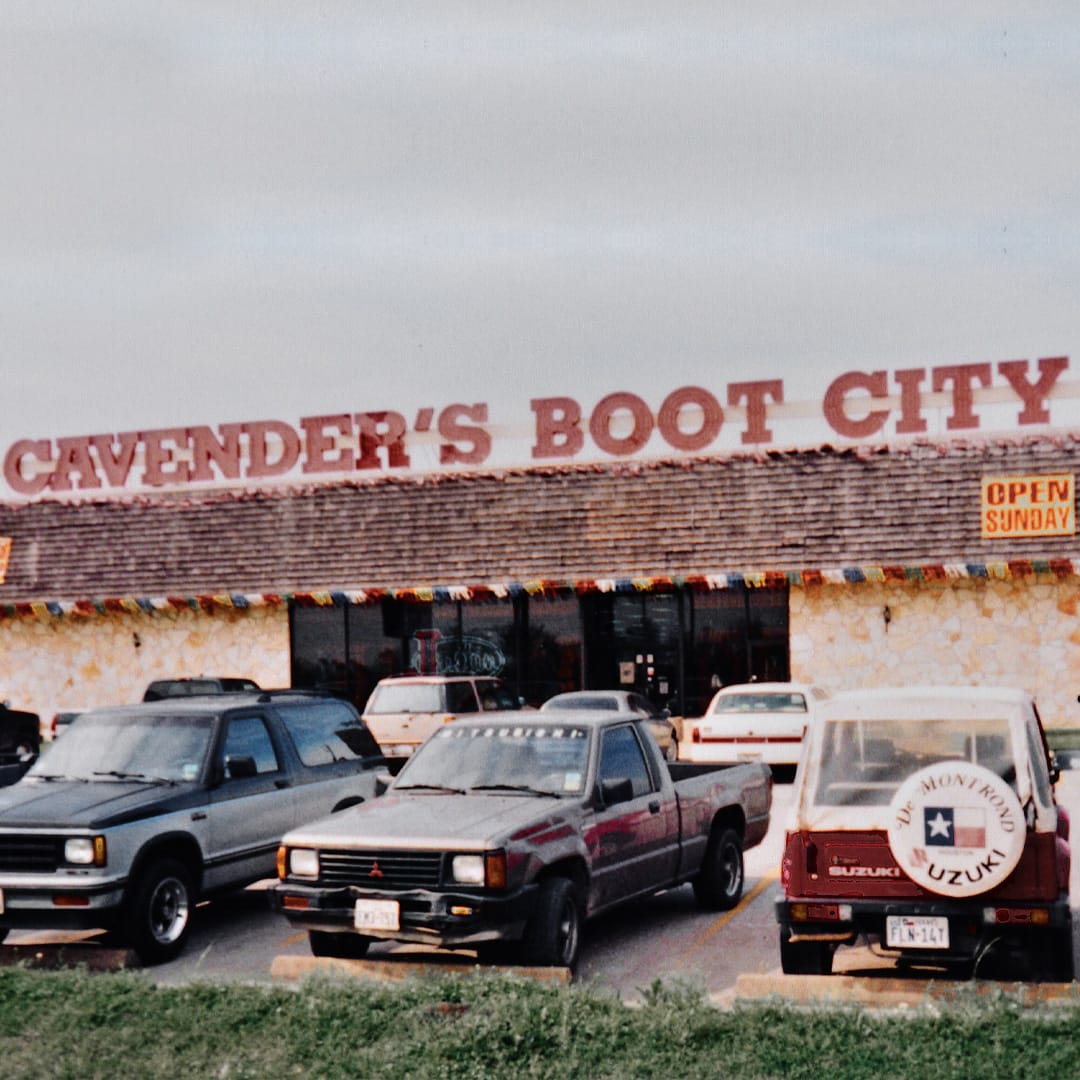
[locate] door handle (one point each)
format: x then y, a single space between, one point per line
198 816
654 807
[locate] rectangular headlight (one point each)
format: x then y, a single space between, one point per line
468 869
303 862
85 850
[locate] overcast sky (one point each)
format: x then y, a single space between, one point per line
223 211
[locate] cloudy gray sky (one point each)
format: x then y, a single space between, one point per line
253 209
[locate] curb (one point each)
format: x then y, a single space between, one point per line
57 957
888 992
396 971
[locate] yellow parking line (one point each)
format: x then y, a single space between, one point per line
745 902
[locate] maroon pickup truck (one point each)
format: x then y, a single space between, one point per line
925 825
503 834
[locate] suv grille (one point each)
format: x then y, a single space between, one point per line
33 854
381 869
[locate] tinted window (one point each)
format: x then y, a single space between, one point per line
621 758
247 737
327 732
460 698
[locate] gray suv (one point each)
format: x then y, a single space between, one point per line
141 810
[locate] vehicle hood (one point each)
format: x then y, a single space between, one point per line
51 804
426 821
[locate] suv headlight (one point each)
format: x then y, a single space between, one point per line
85 850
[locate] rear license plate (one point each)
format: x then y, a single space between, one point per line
916 932
376 915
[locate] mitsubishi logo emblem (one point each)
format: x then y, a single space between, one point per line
375 871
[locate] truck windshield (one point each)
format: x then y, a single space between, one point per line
864 762
128 745
547 759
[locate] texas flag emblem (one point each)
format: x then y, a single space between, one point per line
954 826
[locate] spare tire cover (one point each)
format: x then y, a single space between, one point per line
956 829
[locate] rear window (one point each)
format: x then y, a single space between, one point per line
864 762
406 698
743 703
585 701
328 732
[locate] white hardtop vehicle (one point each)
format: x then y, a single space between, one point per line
404 710
924 822
759 721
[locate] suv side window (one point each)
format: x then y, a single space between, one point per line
461 698
327 732
247 736
621 757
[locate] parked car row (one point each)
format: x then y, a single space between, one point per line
924 819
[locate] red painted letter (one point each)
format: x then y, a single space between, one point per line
558 431
875 385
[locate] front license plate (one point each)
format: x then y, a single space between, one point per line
916 932
376 915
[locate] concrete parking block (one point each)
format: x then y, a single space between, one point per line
73 955
891 993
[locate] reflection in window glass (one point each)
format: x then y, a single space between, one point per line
247 737
326 733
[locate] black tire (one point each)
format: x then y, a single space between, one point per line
343 946
719 884
804 957
160 911
553 935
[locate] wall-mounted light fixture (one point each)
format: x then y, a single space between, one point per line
886 614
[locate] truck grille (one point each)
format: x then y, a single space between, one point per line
29 854
381 869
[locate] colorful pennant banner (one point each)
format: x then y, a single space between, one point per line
1011 570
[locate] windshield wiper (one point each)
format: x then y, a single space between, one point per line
56 776
430 787
516 787
142 778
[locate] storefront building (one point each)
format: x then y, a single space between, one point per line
951 562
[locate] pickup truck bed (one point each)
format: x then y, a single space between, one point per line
504 834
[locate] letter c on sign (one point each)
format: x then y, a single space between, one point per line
13 462
875 384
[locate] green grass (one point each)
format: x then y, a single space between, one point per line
75 1025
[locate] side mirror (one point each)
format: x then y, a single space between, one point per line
616 790
383 780
240 766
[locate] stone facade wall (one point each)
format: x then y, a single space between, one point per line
49 663
965 632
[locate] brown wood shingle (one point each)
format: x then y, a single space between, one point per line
778 510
